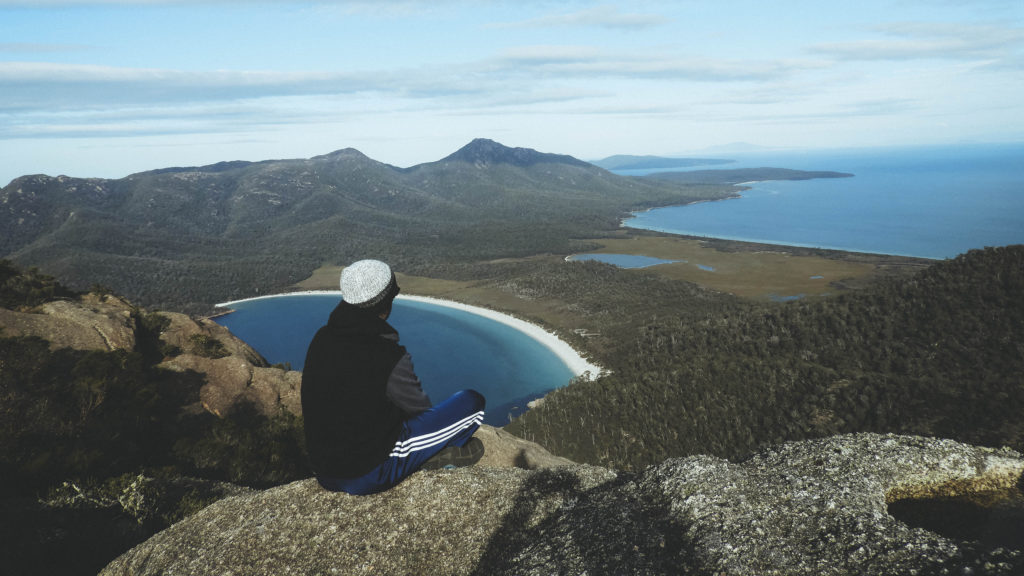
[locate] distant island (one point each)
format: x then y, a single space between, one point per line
739 175
628 162
707 176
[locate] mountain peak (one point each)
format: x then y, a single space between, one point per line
343 154
483 151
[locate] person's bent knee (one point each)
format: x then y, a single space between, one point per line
476 398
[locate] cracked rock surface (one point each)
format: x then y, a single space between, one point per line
812 507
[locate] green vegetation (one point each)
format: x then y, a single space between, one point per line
78 427
79 526
207 347
759 271
185 239
25 290
79 414
939 354
698 371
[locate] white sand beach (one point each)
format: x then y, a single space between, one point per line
580 366
280 295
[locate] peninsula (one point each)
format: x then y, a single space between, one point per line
741 175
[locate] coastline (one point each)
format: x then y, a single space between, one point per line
278 295
743 186
690 203
580 366
780 245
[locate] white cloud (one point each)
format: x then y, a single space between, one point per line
605 16
526 72
586 61
912 41
39 48
41 85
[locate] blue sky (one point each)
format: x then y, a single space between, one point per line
94 88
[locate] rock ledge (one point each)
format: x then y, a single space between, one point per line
814 507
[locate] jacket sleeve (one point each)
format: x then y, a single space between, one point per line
404 388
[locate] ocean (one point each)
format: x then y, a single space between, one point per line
930 202
451 349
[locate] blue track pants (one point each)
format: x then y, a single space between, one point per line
450 423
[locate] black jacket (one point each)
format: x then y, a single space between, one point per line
358 386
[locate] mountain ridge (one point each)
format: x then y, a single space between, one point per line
239 228
483 151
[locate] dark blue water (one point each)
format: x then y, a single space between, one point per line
933 202
451 349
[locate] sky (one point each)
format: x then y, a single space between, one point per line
108 88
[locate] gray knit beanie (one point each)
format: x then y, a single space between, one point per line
367 283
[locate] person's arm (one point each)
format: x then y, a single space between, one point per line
404 388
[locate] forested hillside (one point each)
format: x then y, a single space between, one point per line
941 354
185 238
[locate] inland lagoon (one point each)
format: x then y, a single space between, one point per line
621 260
631 261
453 346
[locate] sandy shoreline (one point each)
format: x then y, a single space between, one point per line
579 365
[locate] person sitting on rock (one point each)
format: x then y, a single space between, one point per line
368 422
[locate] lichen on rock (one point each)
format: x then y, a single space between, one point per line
91 322
813 507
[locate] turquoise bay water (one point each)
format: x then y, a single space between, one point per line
451 349
933 202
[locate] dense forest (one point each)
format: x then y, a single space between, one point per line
940 354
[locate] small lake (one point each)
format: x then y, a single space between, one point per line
451 349
632 261
622 260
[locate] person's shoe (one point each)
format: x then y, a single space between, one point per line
456 456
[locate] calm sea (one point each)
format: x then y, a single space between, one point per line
931 202
451 349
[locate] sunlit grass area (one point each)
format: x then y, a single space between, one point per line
759 274
548 312
749 271
745 270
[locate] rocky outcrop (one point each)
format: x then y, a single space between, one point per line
814 507
182 329
232 381
93 322
238 375
503 450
